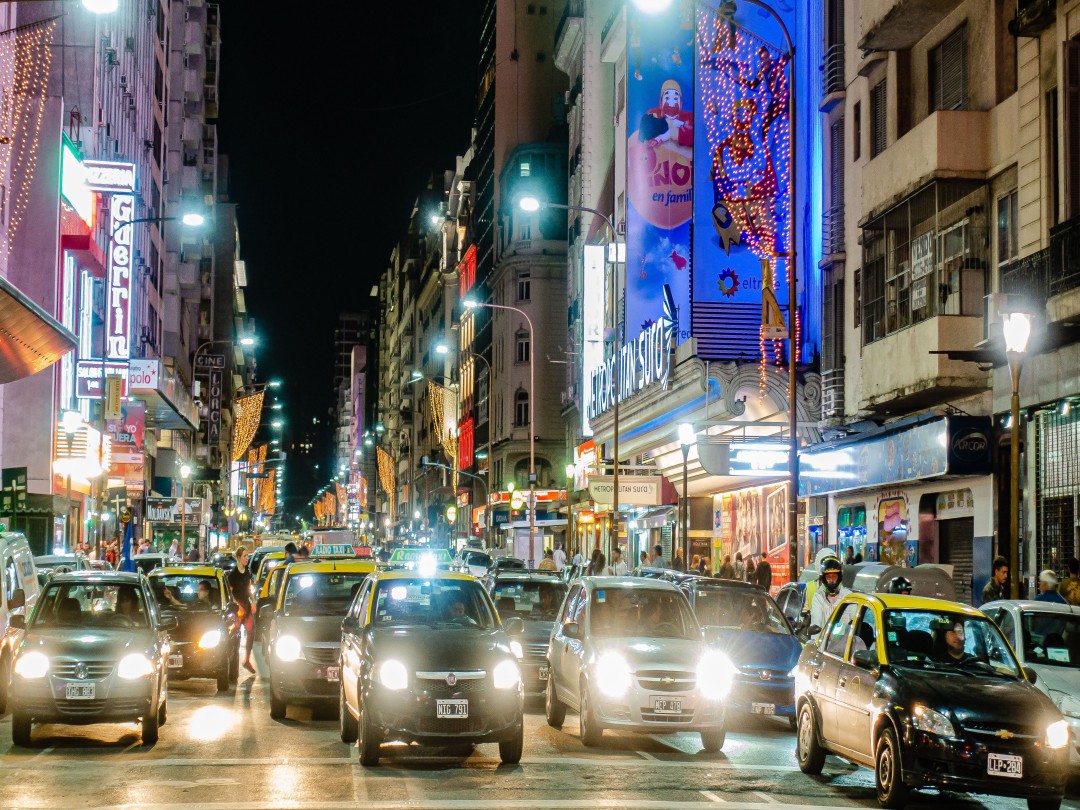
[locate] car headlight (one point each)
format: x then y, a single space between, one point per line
210 639
1057 734
287 648
32 665
933 722
1067 704
715 675
134 666
393 675
612 675
515 648
506 675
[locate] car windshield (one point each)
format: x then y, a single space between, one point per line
323 593
504 563
943 640
476 558
739 609
535 601
186 592
1051 639
147 563
91 605
267 569
432 602
641 613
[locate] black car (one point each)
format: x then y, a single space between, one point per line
425 659
206 641
535 598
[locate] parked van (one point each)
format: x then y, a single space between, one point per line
18 593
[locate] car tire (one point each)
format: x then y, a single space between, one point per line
163 713
223 678
510 750
234 663
554 709
5 681
712 739
277 706
369 739
888 776
793 722
591 730
21 725
1044 804
808 750
150 727
347 724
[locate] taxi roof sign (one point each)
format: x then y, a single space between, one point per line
333 550
415 554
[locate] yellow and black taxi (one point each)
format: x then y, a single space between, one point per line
303 634
425 659
266 591
927 693
206 641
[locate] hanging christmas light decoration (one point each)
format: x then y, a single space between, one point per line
437 399
248 414
386 477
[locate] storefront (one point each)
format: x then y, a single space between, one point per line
912 493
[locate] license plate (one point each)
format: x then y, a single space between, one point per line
176 661
544 673
1005 765
333 674
666 705
451 709
762 708
80 691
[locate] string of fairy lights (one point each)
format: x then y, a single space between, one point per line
248 417
447 438
386 476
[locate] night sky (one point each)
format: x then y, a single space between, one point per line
333 115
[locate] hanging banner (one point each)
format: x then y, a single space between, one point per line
118 304
127 460
214 365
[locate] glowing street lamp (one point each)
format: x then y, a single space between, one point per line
686 440
1016 330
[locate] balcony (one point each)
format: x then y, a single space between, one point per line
833 87
951 143
1032 17
895 25
1051 276
832 233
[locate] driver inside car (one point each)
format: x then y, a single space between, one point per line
949 646
127 605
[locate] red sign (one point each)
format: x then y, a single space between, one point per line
466 444
128 445
467 271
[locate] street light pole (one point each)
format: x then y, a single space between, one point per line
570 540
686 439
185 471
1016 329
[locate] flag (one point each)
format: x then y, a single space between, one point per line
126 563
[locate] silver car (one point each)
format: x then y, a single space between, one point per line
95 651
1046 639
628 653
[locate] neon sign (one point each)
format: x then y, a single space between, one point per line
118 319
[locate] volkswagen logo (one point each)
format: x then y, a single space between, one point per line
451 679
81 671
766 675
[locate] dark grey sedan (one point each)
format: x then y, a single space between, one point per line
535 598
95 651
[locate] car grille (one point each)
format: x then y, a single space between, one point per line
685 716
465 725
440 689
992 731
91 707
750 674
320 688
95 670
535 650
664 681
322 655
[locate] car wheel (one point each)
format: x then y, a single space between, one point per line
369 739
510 750
891 790
163 713
1044 804
223 678
20 729
150 728
712 739
5 681
808 750
591 730
554 709
346 722
277 706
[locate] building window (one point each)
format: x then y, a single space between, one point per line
524 286
856 143
521 409
878 120
524 349
1007 229
948 72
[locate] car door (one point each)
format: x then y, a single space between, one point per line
561 650
351 654
826 665
855 688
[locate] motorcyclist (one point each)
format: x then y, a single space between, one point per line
900 585
830 590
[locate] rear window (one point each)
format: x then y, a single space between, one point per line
186 591
321 594
538 601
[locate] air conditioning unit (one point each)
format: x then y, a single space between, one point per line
621 227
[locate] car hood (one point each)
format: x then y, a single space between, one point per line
657 653
88 645
310 629
440 648
759 650
975 699
1058 679
537 632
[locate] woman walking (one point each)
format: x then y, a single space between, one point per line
240 581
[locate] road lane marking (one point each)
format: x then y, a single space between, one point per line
765 797
712 797
461 804
647 755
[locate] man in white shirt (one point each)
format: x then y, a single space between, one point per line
560 557
830 590
617 568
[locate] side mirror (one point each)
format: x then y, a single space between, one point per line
711 634
571 630
17 600
812 630
168 623
1029 672
17 622
350 624
866 659
514 626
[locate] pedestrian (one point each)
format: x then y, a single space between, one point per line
592 569
656 559
1048 588
643 559
740 567
1070 588
997 587
751 570
548 563
849 558
174 549
695 563
727 571
559 557
618 566
599 564
703 566
240 580
679 563
578 558
290 552
763 575
858 557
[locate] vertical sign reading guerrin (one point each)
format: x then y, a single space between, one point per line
118 320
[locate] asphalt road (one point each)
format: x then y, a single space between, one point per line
222 751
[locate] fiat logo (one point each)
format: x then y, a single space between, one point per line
81 671
451 679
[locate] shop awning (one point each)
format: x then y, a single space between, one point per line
30 339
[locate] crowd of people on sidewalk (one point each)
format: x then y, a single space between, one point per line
1051 587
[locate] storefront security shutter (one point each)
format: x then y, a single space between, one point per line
955 541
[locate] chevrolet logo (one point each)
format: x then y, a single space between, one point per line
1004 734
667 679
